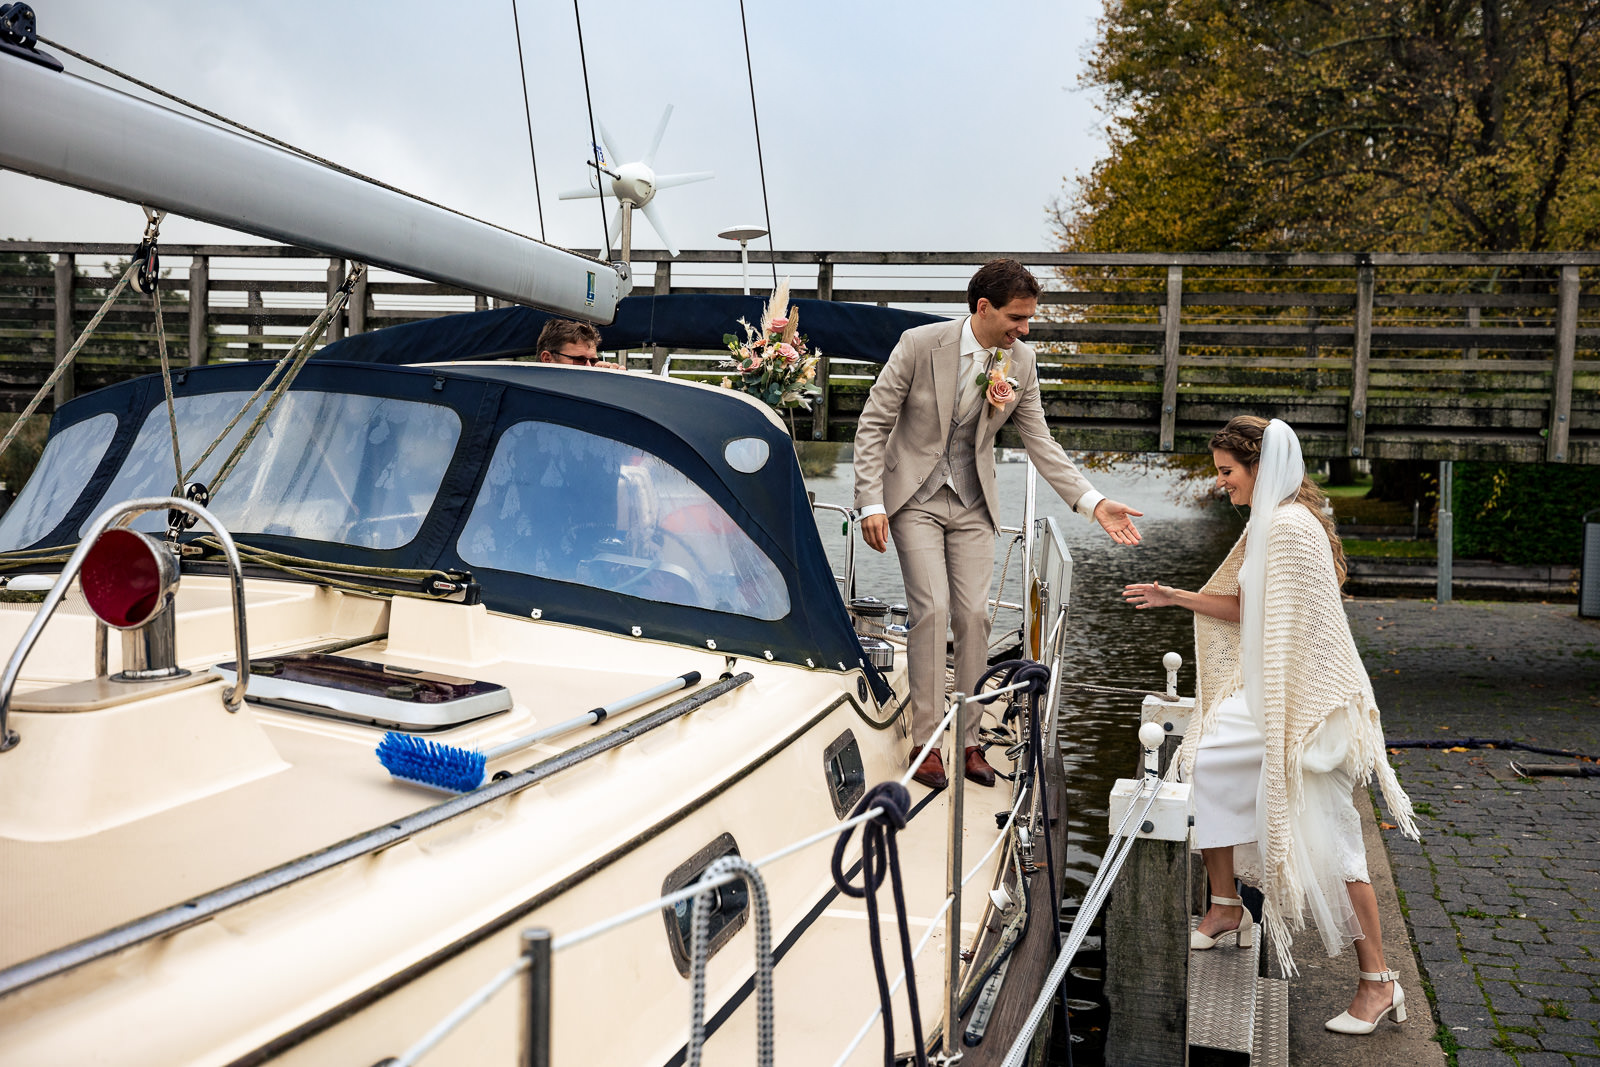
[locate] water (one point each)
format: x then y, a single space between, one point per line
1107 643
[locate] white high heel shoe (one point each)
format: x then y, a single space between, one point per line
1345 1023
1241 934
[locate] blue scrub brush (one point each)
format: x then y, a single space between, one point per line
460 770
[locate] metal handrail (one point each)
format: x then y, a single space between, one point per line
849 587
122 514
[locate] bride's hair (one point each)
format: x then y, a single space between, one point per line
1241 438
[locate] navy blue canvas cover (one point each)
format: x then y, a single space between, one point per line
675 321
685 425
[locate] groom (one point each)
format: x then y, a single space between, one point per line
924 462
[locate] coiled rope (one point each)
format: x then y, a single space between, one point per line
700 926
880 856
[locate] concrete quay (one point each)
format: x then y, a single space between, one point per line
1502 896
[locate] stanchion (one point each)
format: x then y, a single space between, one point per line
536 999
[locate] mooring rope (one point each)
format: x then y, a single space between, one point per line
700 926
880 856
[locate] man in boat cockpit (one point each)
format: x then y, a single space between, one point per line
924 462
573 343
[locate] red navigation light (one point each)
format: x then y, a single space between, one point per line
126 578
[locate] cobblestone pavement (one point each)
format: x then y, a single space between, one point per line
1503 892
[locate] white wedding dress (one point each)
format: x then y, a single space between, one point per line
1328 846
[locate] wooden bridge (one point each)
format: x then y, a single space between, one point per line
1398 356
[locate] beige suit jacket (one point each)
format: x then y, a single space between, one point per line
906 422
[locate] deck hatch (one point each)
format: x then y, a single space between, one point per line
380 694
731 904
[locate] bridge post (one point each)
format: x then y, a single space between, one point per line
819 410
199 306
66 290
662 286
1445 539
1561 378
1169 351
335 279
1360 361
358 305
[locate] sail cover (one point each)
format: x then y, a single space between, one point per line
674 321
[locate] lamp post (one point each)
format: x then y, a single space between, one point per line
744 235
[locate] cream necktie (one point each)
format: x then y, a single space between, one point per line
970 390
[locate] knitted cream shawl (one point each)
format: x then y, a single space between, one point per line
1311 670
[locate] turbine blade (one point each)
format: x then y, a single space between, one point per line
667 181
579 194
661 230
613 149
650 156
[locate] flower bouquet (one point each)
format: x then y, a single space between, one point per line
773 363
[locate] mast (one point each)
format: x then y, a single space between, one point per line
76 132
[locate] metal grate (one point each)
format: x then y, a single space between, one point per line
1271 1045
1222 996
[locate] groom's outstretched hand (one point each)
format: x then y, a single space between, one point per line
875 532
1118 521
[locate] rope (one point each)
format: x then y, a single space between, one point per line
700 926
299 567
153 231
755 117
1486 742
527 114
594 145
289 367
1036 676
1005 569
880 855
66 361
1121 692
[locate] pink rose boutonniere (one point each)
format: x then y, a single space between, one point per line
999 388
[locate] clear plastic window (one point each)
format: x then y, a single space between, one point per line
561 503
69 460
355 470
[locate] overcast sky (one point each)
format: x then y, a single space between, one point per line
886 124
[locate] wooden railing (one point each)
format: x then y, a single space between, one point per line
1427 356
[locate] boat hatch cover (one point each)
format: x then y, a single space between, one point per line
356 690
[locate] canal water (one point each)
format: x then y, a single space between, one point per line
1107 643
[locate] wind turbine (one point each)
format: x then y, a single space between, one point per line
635 186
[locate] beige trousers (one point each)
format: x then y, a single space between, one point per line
946 555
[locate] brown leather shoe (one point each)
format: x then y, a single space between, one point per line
931 773
978 769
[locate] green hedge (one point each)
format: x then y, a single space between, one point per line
1523 513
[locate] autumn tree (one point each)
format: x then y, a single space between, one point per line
1381 125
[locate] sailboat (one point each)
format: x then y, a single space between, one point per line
593 609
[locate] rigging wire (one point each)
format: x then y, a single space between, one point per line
267 137
772 255
527 113
594 144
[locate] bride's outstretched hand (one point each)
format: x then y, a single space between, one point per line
1149 595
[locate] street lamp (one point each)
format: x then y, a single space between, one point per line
744 235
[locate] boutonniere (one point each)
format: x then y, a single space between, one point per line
998 386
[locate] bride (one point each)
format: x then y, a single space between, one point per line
1286 724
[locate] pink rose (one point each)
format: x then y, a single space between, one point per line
1000 392
778 323
788 353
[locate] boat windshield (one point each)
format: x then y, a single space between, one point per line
350 469
561 503
69 460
